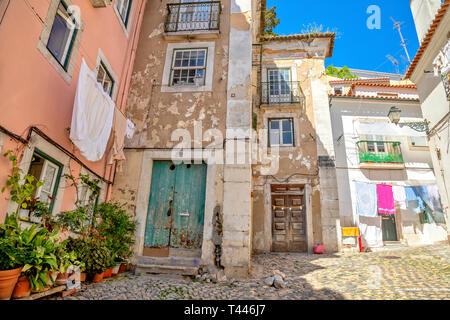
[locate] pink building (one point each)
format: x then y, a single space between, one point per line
42 46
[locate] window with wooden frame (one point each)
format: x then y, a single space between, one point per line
62 35
46 169
188 67
281 132
124 7
105 79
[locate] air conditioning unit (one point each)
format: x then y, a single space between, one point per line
100 3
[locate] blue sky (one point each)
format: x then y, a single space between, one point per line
356 45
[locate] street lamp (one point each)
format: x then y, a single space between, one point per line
394 117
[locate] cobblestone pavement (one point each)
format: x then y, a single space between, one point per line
407 273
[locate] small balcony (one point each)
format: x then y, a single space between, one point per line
193 19
386 154
281 93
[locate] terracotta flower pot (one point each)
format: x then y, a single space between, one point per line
61 279
97 277
83 276
123 268
22 288
107 273
115 270
8 280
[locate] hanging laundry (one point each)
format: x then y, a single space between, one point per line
366 199
435 203
131 128
92 116
414 201
400 196
385 199
119 129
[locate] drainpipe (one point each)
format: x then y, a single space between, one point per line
127 83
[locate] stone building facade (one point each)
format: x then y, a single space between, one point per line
294 194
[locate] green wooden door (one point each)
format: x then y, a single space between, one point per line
176 206
389 228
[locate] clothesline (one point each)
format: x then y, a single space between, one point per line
410 184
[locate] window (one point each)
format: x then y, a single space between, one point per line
62 35
419 141
279 85
375 145
338 90
123 7
44 168
188 67
105 79
281 132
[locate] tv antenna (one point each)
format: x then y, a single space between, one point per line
394 62
397 25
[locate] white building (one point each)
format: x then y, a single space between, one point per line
371 149
430 71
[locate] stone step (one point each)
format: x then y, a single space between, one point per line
169 261
166 269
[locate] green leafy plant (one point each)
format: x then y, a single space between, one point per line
68 259
271 22
343 73
21 189
83 218
117 228
92 252
12 253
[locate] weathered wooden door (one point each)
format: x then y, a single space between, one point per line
288 218
389 227
176 206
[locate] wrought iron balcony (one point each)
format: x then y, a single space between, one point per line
371 151
193 16
282 92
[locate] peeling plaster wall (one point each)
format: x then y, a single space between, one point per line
157 114
313 137
237 206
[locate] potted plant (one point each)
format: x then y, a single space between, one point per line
67 264
93 252
12 255
118 229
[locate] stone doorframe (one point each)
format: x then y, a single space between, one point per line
268 210
143 198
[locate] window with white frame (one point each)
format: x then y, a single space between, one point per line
375 144
124 7
62 35
420 141
281 132
105 79
188 67
279 85
47 170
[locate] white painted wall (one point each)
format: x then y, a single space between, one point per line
419 171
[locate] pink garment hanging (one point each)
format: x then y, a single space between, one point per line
385 199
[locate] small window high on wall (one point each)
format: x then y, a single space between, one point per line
123 7
281 132
62 35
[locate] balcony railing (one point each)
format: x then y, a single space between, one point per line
193 16
283 92
371 151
